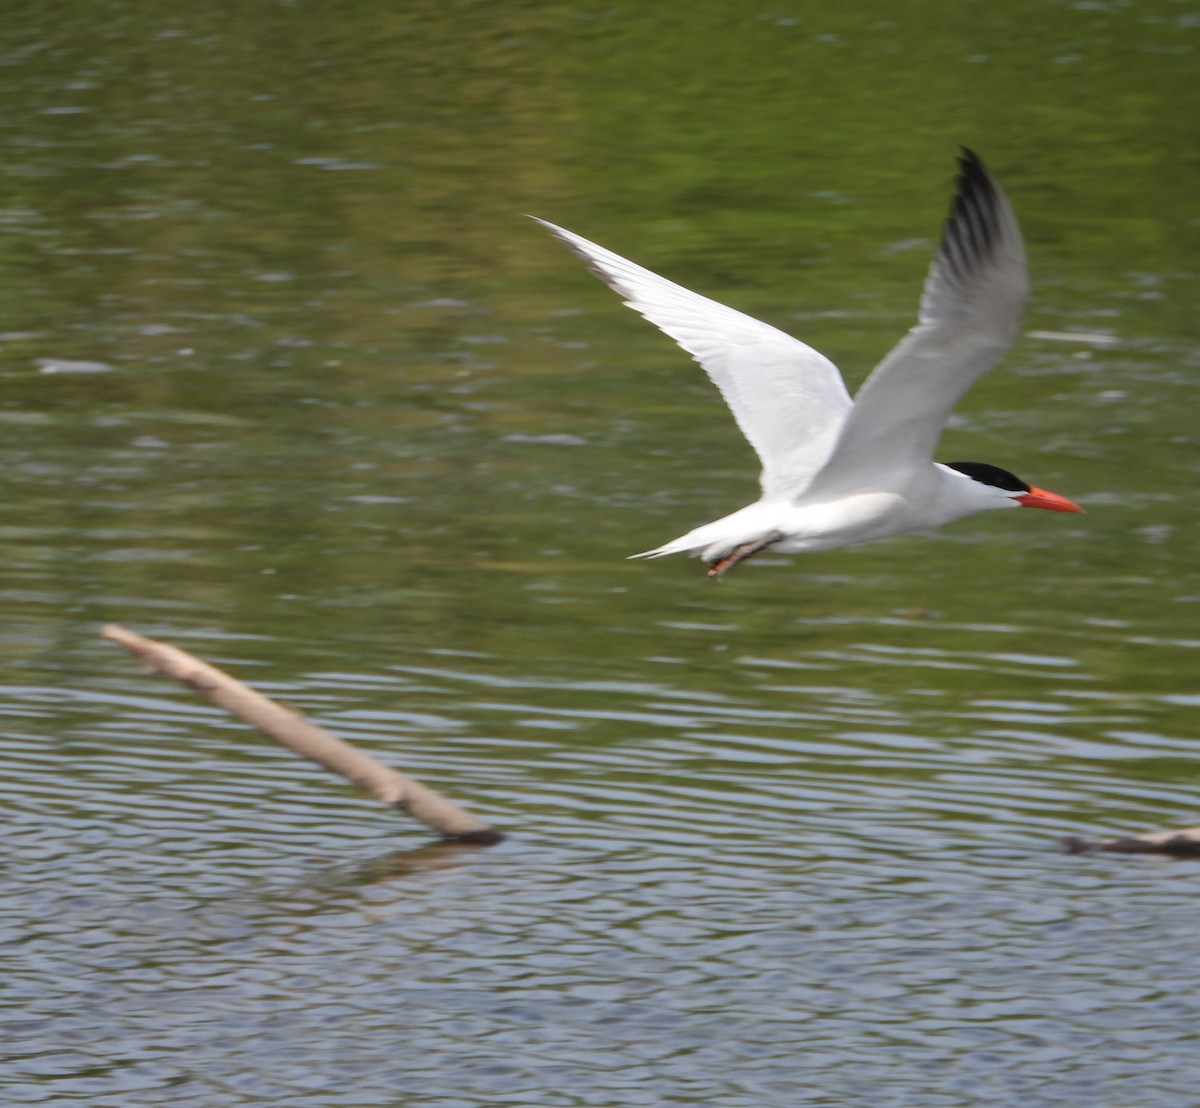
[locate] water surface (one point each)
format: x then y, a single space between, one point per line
349 425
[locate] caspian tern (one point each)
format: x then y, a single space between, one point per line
838 472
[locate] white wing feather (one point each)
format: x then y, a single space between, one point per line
971 311
789 400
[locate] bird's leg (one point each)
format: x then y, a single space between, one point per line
740 553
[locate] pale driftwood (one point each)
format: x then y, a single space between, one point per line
307 739
1184 843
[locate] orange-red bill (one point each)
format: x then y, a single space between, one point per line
1051 501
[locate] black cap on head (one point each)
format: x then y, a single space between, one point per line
990 475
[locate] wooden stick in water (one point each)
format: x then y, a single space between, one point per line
307 739
1184 843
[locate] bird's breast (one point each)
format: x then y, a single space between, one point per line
845 521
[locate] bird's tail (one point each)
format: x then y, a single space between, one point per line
711 541
662 551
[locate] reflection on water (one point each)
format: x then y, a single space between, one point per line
365 438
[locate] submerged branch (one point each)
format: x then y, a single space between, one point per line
307 739
1184 843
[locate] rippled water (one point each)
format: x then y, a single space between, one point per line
288 381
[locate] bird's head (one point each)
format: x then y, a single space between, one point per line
997 488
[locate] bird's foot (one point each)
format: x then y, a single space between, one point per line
740 553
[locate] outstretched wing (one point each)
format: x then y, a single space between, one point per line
788 400
971 313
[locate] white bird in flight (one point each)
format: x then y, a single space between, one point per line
836 471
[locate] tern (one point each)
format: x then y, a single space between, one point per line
840 472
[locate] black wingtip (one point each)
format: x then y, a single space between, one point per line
973 175
973 229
